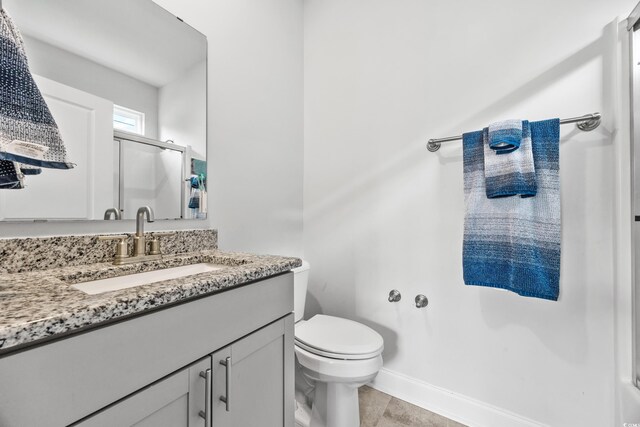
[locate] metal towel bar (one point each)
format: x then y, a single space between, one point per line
586 123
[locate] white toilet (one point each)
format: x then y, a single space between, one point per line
334 357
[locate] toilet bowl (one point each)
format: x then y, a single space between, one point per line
334 356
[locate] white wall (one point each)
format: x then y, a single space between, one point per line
255 119
381 212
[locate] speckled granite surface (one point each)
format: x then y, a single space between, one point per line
41 304
43 253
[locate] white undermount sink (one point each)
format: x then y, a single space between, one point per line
132 280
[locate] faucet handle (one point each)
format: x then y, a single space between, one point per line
163 234
113 237
154 244
122 247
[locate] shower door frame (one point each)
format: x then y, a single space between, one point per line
633 26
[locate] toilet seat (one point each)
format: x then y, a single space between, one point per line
338 338
337 356
326 369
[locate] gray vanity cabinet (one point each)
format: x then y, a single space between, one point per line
141 371
175 401
250 379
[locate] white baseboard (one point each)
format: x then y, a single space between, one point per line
462 409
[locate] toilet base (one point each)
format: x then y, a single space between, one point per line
335 405
330 387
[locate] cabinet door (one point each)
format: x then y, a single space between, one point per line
253 379
175 401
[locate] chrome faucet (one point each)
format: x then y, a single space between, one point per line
139 243
140 253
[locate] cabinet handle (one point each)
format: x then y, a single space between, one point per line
206 414
227 364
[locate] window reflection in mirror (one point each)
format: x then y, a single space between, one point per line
128 120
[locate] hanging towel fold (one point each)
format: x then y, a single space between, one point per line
508 174
505 136
30 170
28 132
513 243
10 175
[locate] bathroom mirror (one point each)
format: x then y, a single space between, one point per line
126 82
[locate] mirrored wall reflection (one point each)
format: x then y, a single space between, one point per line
105 65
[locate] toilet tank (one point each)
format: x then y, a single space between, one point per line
300 281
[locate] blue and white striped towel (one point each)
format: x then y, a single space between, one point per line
509 174
505 136
513 243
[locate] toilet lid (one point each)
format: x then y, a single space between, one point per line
338 338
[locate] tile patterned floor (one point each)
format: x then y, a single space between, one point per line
378 409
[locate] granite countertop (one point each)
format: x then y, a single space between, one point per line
40 305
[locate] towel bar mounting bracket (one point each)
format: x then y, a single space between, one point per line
589 125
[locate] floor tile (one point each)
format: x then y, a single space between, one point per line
378 409
406 414
372 406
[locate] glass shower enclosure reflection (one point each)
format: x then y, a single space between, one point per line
152 173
